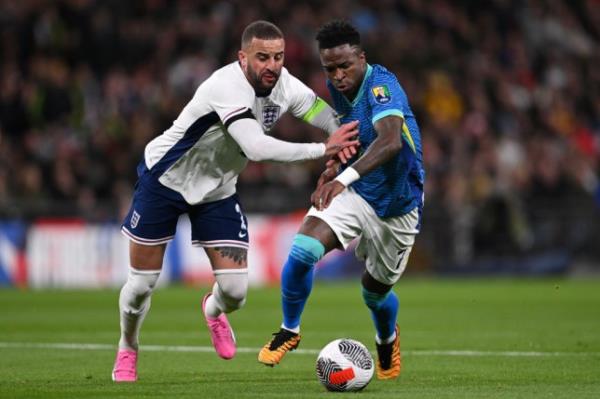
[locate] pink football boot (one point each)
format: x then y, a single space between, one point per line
125 369
221 333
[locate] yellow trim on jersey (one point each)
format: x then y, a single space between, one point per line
409 139
317 107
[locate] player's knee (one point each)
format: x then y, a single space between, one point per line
307 249
142 282
374 300
138 288
232 288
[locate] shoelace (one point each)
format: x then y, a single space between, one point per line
280 338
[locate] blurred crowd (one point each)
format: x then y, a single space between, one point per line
506 92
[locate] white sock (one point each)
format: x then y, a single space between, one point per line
211 308
294 330
134 303
388 340
228 293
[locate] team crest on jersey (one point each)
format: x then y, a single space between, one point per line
382 94
135 218
270 114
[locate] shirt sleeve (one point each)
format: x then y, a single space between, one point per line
385 98
301 97
230 101
257 146
322 116
306 105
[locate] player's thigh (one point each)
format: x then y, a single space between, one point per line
221 228
146 257
343 218
152 217
227 257
150 223
386 244
318 229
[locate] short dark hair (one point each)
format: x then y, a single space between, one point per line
261 30
336 33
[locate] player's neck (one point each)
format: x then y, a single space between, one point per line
352 95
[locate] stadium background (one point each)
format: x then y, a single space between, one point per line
507 95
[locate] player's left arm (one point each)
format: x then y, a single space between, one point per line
312 109
307 106
387 144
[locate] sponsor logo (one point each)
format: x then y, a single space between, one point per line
135 219
270 114
382 94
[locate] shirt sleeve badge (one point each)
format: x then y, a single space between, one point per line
382 94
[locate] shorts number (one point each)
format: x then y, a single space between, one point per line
401 254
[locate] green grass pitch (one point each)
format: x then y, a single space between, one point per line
475 338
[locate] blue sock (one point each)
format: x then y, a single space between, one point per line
297 277
384 311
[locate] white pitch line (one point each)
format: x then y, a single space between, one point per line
210 349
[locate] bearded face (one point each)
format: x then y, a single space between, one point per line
262 61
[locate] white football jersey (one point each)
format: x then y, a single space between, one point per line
196 156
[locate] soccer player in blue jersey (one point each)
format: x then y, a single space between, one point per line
377 198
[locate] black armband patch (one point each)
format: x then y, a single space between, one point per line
247 114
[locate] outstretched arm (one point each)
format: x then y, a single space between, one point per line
257 146
387 144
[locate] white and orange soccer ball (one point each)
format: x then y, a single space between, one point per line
345 365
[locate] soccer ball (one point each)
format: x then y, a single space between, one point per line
345 365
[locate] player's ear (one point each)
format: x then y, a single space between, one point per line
243 59
362 59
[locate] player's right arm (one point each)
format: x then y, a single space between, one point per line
257 146
233 101
387 144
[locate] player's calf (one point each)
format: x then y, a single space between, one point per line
221 333
228 294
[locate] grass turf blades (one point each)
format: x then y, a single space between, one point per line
513 338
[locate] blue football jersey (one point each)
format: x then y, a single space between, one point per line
396 187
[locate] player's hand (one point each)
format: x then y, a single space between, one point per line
323 195
347 153
330 172
342 138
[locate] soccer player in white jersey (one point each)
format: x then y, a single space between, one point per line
377 198
193 167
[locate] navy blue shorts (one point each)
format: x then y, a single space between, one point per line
155 209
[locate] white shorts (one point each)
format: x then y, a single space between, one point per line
384 244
